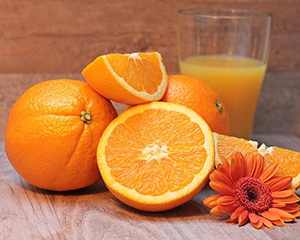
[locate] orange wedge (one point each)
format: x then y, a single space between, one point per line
156 156
226 145
289 161
128 78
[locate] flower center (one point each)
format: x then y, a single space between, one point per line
254 195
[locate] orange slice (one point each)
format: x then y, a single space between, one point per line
156 156
128 78
289 161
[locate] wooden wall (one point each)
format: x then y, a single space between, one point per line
60 36
57 38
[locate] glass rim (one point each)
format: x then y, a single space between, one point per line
223 13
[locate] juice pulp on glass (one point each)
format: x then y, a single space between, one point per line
237 80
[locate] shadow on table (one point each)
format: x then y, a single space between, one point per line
194 209
96 188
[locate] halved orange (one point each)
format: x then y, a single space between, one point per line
289 161
156 156
128 78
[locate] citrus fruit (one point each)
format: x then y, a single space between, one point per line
156 156
289 161
225 146
201 98
53 132
128 78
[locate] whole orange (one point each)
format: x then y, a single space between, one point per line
53 132
201 98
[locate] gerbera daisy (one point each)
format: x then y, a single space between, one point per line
249 191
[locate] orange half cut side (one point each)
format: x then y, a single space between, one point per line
156 156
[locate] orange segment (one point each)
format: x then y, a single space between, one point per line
226 145
289 161
128 78
156 156
175 175
191 158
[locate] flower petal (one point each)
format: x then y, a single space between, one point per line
216 211
229 220
270 216
211 201
227 208
221 188
283 194
235 215
250 164
218 176
279 183
295 214
226 200
269 172
237 166
291 207
224 167
290 199
259 166
224 171
225 163
243 218
258 225
285 216
278 205
279 223
253 218
267 223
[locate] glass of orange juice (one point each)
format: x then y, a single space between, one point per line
229 49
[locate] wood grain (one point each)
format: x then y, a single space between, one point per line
27 212
64 36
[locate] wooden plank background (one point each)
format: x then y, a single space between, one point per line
57 36
60 37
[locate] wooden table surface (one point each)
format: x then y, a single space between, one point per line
27 212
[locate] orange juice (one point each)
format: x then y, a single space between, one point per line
236 79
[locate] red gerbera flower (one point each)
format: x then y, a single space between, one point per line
249 191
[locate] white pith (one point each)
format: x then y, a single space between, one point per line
134 55
155 151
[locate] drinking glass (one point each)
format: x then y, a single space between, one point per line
229 49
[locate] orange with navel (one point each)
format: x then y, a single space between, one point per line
201 98
53 132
